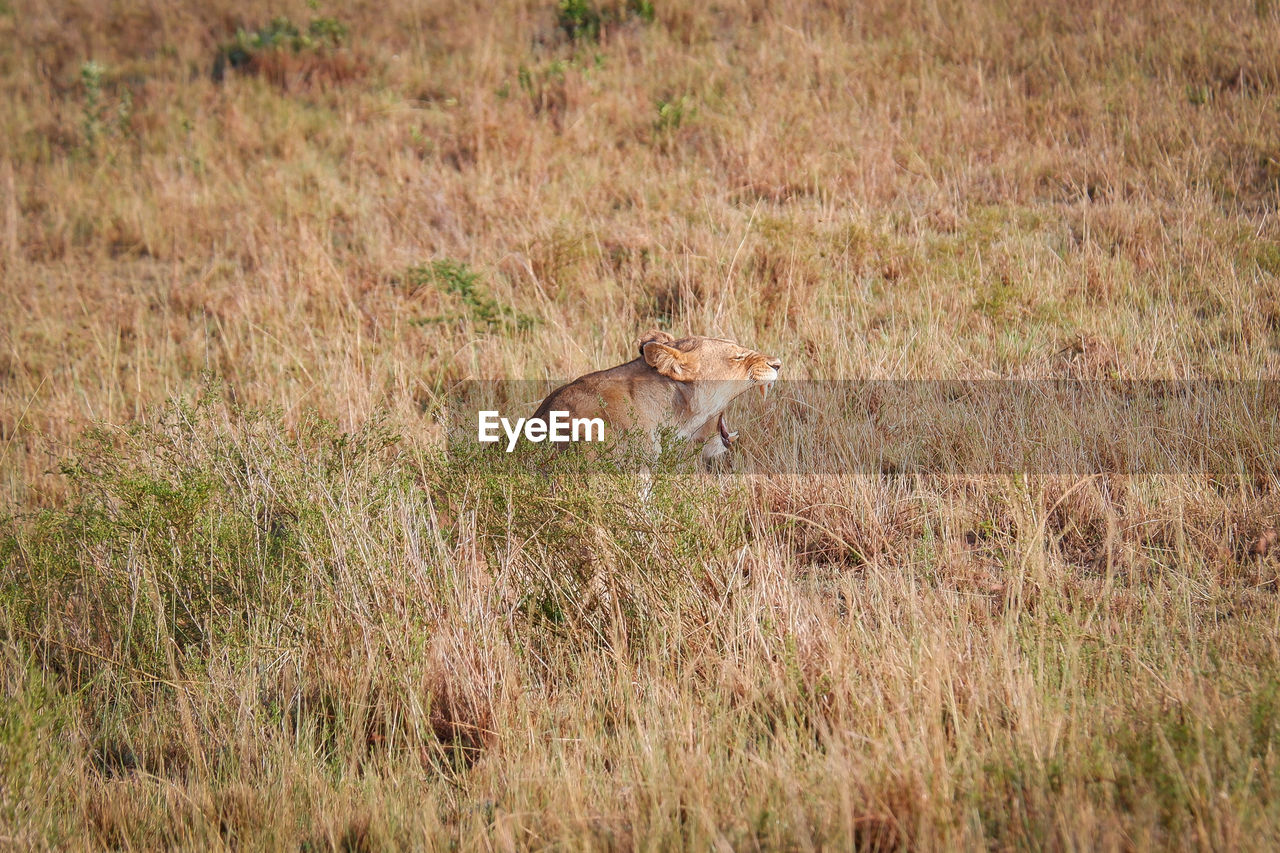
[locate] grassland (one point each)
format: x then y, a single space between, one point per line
246 601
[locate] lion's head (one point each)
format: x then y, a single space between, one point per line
699 359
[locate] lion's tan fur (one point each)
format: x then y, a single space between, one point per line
683 385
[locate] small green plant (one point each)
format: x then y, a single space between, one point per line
322 33
98 120
458 280
1268 258
327 32
91 121
535 81
1199 95
579 19
584 20
673 113
999 300
545 85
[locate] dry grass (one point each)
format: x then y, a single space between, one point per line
279 617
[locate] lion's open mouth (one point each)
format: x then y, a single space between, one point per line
726 438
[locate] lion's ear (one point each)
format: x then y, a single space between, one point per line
651 336
668 361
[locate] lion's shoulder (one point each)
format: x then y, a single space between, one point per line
626 395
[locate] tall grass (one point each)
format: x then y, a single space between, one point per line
246 600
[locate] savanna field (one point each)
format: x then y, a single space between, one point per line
248 601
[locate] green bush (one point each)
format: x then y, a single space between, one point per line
280 34
583 20
457 280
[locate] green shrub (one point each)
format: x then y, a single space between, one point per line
180 533
673 112
457 280
281 34
99 120
583 20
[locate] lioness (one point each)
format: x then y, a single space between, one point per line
683 385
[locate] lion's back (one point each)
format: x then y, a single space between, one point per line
617 395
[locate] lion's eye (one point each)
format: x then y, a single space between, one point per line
740 356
